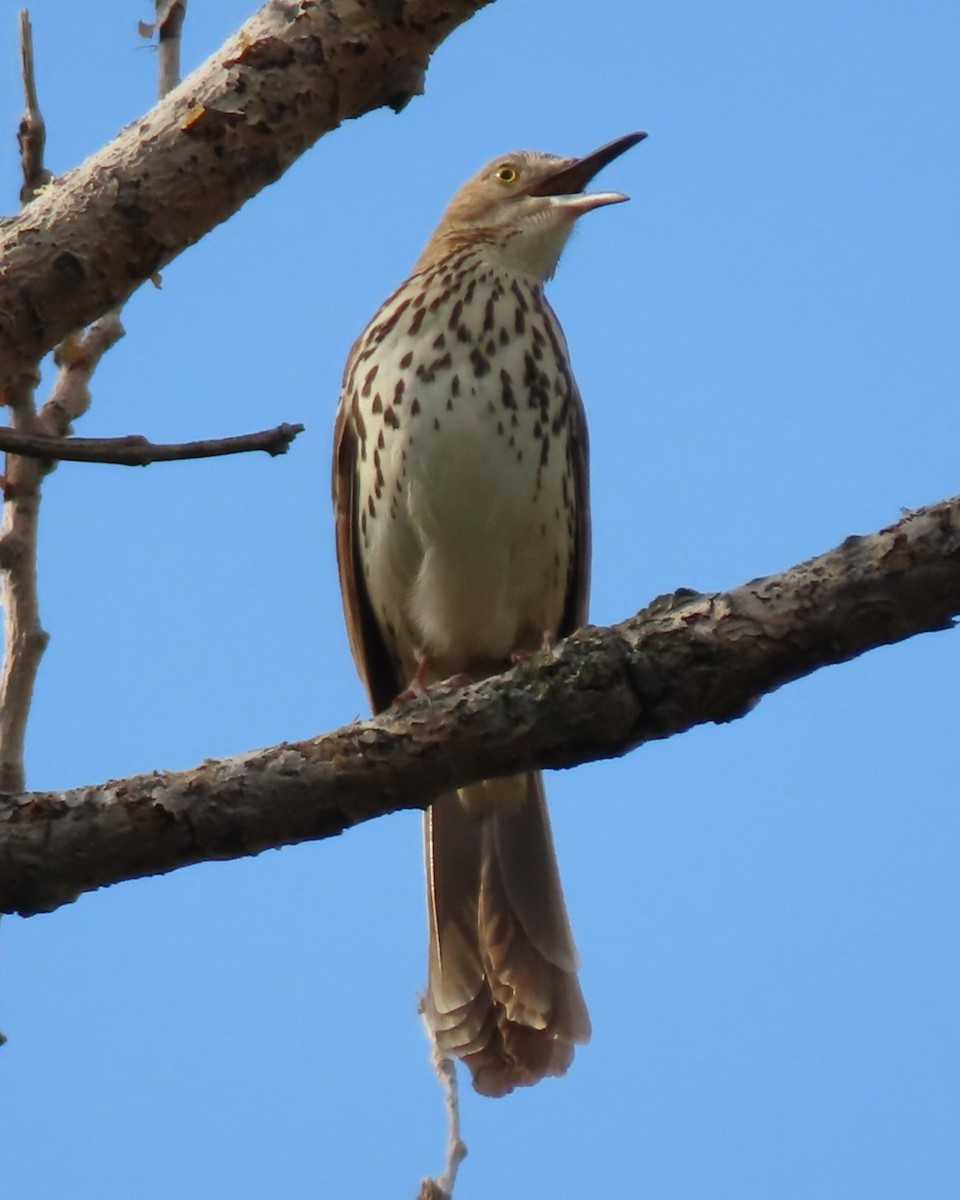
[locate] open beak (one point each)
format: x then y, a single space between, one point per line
567 183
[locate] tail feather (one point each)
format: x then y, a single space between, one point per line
502 990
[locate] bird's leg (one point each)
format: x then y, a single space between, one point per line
419 687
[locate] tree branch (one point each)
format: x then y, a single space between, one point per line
135 450
24 637
685 660
293 72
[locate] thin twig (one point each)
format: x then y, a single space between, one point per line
170 14
136 451
32 131
446 1071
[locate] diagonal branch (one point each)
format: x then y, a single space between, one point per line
685 660
293 72
136 451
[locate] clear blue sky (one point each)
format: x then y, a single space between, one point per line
767 912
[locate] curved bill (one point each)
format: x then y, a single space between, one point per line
574 176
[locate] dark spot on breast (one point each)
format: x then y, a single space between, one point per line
479 361
414 407
488 315
506 391
368 380
436 423
377 406
371 507
398 392
390 417
439 341
455 386
417 321
455 314
406 360
378 331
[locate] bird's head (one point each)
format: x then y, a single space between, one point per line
521 208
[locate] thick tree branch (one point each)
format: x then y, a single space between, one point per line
296 70
685 660
135 450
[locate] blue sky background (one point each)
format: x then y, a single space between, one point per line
765 339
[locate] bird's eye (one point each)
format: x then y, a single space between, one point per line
507 174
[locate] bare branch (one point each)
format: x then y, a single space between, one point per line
32 131
292 73
456 1151
136 451
685 660
77 357
24 638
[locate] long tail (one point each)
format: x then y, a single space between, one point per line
502 990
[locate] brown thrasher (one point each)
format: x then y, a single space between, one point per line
463 541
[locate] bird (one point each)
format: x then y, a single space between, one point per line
460 491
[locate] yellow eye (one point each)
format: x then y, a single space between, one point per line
507 174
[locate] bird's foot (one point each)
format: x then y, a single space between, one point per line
419 687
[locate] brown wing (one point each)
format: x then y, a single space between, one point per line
578 581
366 639
578 456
